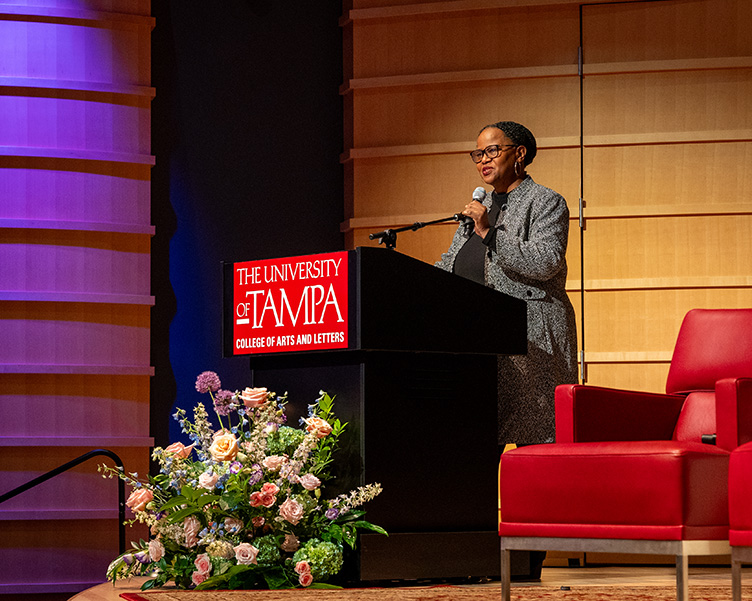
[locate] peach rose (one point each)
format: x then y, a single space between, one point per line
179 450
318 426
254 397
208 480
224 448
305 579
291 511
302 567
274 462
309 481
139 498
245 553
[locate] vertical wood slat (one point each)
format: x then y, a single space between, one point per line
74 277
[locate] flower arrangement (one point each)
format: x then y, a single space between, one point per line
242 506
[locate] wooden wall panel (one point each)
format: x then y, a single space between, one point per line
672 179
70 405
693 29
682 250
686 101
667 142
77 190
464 41
440 184
454 112
630 375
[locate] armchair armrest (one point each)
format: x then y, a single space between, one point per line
733 412
593 414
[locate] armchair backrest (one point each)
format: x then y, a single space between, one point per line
712 344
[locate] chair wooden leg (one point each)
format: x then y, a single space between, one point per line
682 577
506 575
736 577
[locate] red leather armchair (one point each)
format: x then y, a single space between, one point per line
740 508
629 471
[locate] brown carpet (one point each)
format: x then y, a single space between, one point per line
451 593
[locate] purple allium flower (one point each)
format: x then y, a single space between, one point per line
332 513
208 380
223 402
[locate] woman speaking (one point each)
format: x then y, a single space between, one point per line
518 246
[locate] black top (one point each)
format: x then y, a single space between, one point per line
471 258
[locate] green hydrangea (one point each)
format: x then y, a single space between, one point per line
284 441
269 553
325 558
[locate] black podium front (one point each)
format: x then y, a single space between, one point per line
417 386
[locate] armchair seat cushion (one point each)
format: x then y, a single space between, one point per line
649 490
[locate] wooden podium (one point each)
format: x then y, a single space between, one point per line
417 386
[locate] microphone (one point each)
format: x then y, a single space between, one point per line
469 225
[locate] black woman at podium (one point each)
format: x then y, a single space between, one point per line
515 241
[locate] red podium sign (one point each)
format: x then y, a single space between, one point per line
290 304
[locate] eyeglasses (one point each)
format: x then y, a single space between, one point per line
490 151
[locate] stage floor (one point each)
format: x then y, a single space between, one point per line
600 576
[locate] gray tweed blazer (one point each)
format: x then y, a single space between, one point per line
527 260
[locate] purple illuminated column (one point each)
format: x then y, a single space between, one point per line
75 299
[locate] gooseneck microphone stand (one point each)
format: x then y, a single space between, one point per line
389 237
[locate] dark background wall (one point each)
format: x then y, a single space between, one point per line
247 132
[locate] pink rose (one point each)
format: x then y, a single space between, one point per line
258 521
179 450
191 528
266 496
208 480
318 426
203 563
309 481
269 488
274 462
224 448
198 577
156 549
245 553
305 579
302 567
254 397
139 498
292 511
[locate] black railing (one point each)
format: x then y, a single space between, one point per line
65 467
